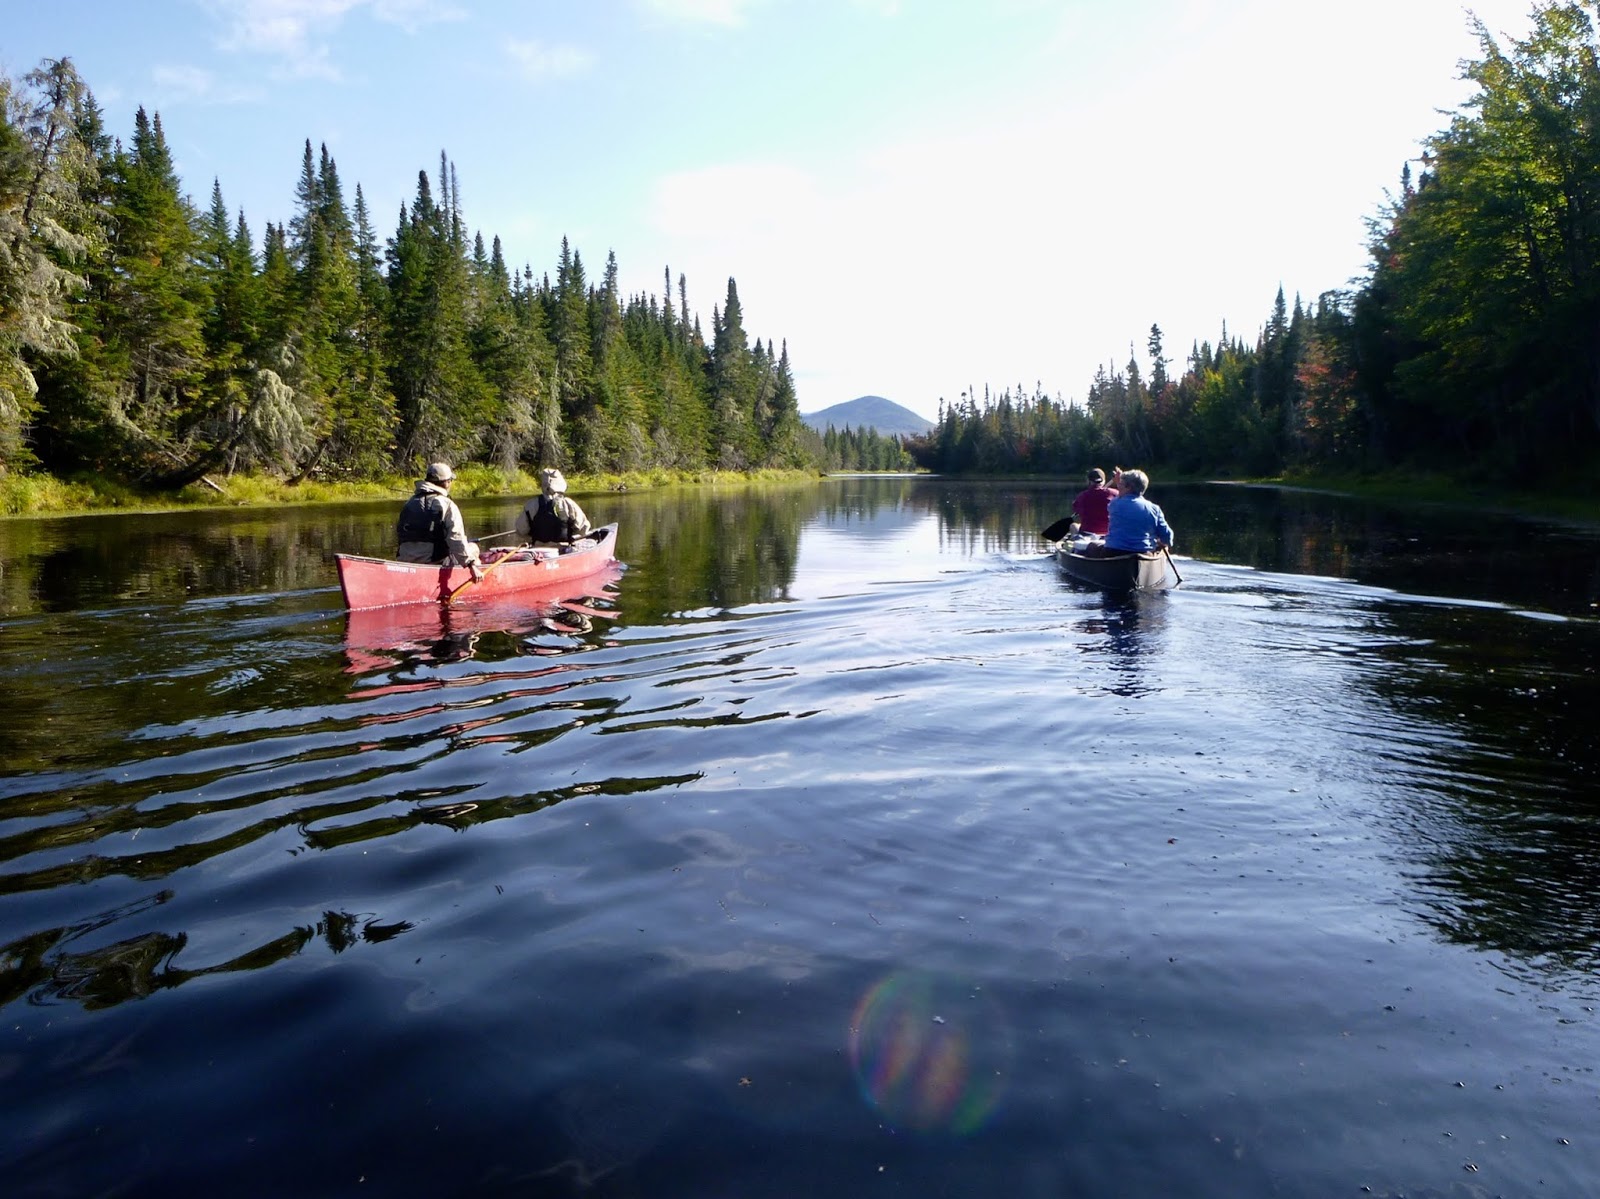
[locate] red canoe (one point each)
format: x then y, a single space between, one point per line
382 582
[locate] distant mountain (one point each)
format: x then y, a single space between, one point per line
869 412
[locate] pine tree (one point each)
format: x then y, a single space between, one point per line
372 404
568 314
47 173
346 430
443 404
75 427
511 353
620 387
1158 363
231 323
784 447
733 386
170 434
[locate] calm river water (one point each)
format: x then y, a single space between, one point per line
839 845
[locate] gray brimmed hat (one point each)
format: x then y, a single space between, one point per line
440 472
552 481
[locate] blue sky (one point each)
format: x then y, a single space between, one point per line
919 195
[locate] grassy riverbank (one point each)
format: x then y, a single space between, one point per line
24 495
1581 503
44 495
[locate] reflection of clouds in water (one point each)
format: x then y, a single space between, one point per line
930 1054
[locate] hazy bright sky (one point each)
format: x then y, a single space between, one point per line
919 195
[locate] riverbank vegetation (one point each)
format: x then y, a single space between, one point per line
39 494
149 346
1471 350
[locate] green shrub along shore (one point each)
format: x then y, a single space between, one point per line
42 495
36 495
1414 487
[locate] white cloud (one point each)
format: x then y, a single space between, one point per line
539 61
184 82
749 202
281 27
412 15
1037 231
296 31
727 13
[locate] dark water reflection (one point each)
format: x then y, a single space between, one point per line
837 844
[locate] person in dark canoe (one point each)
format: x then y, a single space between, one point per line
1089 505
1136 526
552 518
430 528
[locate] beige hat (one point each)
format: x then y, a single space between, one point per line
552 481
440 472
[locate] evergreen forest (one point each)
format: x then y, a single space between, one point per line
1470 350
147 338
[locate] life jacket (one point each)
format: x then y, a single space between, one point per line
422 519
546 524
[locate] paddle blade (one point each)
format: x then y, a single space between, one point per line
1058 530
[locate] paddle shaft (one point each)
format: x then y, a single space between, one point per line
1165 550
482 574
451 598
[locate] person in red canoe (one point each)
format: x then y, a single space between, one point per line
552 518
430 528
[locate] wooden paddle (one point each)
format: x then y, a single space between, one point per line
1058 530
481 575
1172 564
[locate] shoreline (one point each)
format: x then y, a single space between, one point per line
40 496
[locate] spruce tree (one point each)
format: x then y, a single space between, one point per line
170 434
231 322
733 386
568 312
47 176
442 402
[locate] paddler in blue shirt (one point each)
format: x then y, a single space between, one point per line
1136 525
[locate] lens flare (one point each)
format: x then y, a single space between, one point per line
932 1055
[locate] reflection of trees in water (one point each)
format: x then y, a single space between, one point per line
1493 756
699 546
996 517
114 810
44 966
1417 549
693 548
739 544
62 565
